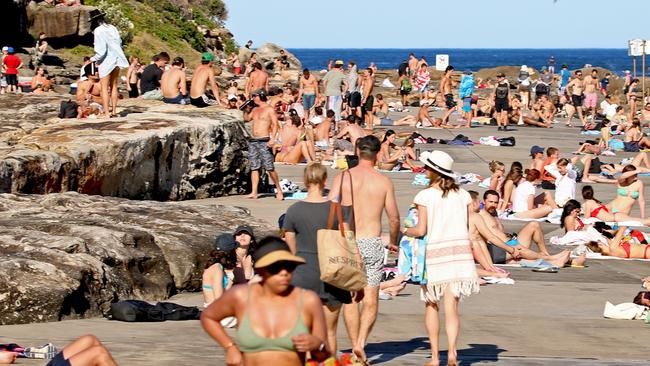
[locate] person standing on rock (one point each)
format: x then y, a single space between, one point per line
109 58
264 131
373 194
257 80
204 75
446 90
367 99
335 84
443 211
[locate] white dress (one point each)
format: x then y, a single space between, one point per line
449 259
108 50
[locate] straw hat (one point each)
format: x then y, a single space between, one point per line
272 252
439 161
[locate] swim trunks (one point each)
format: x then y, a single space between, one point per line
58 360
590 100
202 101
501 104
386 122
354 101
497 254
134 93
370 102
449 101
467 104
577 100
372 254
259 154
12 79
179 99
308 100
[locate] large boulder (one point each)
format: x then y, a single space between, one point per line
70 255
161 152
59 22
268 53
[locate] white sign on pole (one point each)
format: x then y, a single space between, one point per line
442 61
635 47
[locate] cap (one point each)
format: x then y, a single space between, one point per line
244 229
274 251
225 243
339 62
207 56
501 75
536 150
5 48
10 49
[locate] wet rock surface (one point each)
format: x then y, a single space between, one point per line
70 255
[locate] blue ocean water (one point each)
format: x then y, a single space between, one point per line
616 60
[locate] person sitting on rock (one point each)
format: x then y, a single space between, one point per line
40 82
173 84
204 75
89 96
218 275
295 147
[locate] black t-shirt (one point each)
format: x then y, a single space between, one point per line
502 91
150 79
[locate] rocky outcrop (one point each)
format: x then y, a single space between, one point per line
59 22
268 53
160 152
70 255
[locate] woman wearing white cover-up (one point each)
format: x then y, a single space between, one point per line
450 271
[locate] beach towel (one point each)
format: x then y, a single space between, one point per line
421 80
624 311
485 183
489 141
578 237
387 84
466 88
590 132
411 256
499 281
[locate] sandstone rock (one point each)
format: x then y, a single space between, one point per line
161 152
70 255
268 52
59 22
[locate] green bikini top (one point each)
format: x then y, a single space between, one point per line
623 192
250 342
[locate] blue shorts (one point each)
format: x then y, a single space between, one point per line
512 242
308 101
467 104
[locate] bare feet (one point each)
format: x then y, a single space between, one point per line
252 196
579 261
279 196
361 355
560 259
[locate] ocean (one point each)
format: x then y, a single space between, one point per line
616 60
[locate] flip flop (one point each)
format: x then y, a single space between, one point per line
546 270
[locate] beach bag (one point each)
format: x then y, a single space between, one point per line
171 311
68 109
507 141
541 89
338 254
136 311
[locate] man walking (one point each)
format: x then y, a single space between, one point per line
265 128
335 84
367 99
446 90
373 194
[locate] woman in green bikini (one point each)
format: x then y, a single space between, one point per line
629 191
278 323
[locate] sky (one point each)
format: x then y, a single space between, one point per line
439 24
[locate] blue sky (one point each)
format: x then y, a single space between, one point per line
439 24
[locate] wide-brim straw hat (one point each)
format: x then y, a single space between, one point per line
274 252
439 161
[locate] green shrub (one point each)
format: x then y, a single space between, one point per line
116 17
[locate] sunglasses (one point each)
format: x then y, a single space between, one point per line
277 267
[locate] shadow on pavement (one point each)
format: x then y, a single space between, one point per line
388 351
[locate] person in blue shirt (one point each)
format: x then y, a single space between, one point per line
565 75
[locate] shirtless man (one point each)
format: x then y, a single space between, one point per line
294 150
485 228
173 84
446 90
373 194
322 130
352 131
413 64
265 128
88 90
576 86
537 156
591 94
424 119
258 79
367 99
204 75
308 91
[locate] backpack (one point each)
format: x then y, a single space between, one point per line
502 91
135 311
541 89
68 109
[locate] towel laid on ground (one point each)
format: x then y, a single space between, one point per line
624 311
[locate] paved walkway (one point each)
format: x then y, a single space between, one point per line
544 319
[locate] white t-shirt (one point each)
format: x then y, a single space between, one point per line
608 109
520 196
446 217
565 186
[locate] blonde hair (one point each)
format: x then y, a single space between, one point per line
445 183
315 173
495 165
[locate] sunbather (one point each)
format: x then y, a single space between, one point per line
592 207
621 246
85 351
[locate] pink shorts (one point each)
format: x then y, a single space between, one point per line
591 99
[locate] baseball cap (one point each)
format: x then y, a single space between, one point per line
339 62
225 243
5 48
10 49
536 150
244 229
207 56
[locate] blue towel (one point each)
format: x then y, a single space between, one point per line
590 132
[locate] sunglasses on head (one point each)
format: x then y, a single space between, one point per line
277 267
